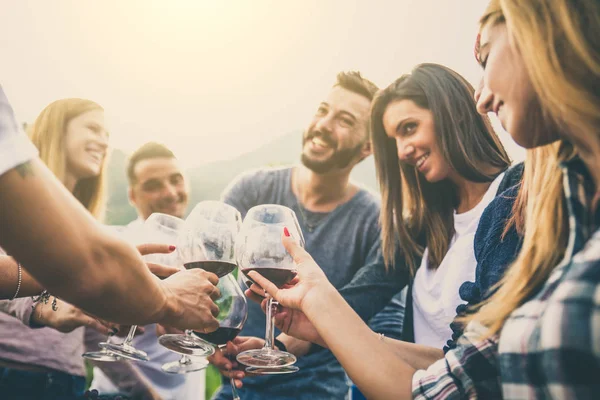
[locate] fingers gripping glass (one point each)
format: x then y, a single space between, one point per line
233 312
208 242
162 229
259 248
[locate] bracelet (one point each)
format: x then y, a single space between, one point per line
42 298
280 345
19 280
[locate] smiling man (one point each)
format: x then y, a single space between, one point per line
339 220
156 183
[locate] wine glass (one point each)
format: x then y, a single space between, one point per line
102 355
233 311
158 228
259 248
208 242
209 239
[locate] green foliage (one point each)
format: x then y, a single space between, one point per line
213 381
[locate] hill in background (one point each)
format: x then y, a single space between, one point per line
207 181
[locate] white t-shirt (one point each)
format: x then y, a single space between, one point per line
435 291
15 146
170 386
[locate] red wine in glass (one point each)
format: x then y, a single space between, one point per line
219 337
219 268
279 276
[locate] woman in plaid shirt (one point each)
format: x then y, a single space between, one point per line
538 336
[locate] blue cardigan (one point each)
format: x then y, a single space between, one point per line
492 252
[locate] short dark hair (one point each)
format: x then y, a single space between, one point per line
146 151
355 82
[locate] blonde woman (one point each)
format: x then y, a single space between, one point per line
55 241
538 336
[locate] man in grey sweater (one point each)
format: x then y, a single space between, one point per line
340 224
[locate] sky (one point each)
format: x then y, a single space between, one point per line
213 79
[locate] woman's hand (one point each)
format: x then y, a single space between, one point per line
162 271
308 283
67 318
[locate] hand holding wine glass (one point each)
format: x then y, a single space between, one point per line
207 243
259 248
309 280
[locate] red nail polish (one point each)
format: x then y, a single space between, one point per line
286 232
172 247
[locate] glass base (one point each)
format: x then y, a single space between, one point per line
272 371
126 351
178 367
102 355
266 358
186 345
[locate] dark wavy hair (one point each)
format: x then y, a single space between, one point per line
416 213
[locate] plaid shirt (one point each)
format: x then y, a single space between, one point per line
550 346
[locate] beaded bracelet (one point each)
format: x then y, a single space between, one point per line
19 280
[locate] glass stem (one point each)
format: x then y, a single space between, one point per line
234 393
184 360
129 338
270 331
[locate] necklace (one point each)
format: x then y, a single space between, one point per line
311 223
311 219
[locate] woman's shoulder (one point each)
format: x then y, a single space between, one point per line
512 177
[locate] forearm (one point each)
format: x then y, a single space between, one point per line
415 355
377 371
9 278
64 249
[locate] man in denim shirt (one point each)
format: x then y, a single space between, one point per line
340 225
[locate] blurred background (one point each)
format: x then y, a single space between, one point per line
228 85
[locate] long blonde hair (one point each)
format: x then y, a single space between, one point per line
47 134
564 67
415 212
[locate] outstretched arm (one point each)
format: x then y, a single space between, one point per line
74 257
9 280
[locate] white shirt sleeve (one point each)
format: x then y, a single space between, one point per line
15 146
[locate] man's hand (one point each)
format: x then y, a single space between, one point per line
190 304
225 360
67 318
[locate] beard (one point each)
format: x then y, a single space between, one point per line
340 159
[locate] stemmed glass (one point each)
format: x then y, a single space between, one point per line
233 311
102 355
158 228
208 242
259 248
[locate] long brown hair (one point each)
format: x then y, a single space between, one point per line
560 48
415 212
47 134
